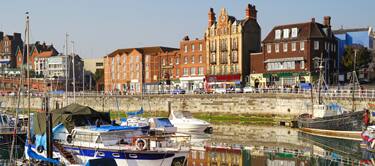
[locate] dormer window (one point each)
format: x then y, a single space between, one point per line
294 32
286 33
278 34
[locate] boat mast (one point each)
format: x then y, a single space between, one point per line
66 69
74 74
320 78
20 87
354 77
28 74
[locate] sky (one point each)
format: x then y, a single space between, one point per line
99 27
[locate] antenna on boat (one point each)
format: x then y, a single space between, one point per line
354 80
28 73
66 69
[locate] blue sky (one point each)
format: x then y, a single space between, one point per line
101 26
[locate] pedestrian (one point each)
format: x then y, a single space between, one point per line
366 118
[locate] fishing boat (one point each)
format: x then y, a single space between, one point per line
332 122
78 137
185 122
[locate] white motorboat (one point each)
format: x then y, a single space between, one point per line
75 142
185 122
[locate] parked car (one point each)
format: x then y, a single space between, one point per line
220 90
178 91
248 89
230 90
238 90
199 91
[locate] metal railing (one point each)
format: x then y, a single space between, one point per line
330 93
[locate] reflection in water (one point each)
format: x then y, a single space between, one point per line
235 145
272 145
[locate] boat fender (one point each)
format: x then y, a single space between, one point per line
40 149
69 138
141 144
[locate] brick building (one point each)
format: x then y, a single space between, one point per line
8 48
133 69
193 64
169 70
39 53
291 55
229 43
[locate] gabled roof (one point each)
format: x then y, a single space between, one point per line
143 50
306 30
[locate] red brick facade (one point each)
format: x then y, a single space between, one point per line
290 53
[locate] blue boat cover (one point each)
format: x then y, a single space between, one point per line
113 128
135 113
36 156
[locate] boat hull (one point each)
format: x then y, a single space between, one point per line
191 128
344 122
124 158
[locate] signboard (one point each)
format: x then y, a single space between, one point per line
224 78
341 77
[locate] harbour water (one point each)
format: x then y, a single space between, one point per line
236 144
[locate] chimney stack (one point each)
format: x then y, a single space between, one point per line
327 21
211 17
17 36
313 20
251 12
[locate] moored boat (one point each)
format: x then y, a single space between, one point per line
185 122
76 140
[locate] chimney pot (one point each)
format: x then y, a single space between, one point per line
313 19
327 21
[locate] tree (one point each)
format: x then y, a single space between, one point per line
363 57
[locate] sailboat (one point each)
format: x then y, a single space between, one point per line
332 123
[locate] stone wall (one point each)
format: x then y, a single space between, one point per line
266 104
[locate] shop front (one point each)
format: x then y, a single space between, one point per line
286 79
192 83
222 81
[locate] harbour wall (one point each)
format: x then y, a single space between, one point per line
254 103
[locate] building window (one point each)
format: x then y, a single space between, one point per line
201 71
286 33
163 62
294 46
285 47
186 72
213 58
200 47
192 71
185 60
171 61
294 32
234 57
200 58
302 65
277 47
192 48
186 48
316 45
302 45
137 59
269 48
177 72
193 59
278 34
234 44
177 60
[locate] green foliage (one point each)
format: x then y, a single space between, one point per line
99 74
363 57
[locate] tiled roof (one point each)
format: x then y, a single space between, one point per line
306 30
143 50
